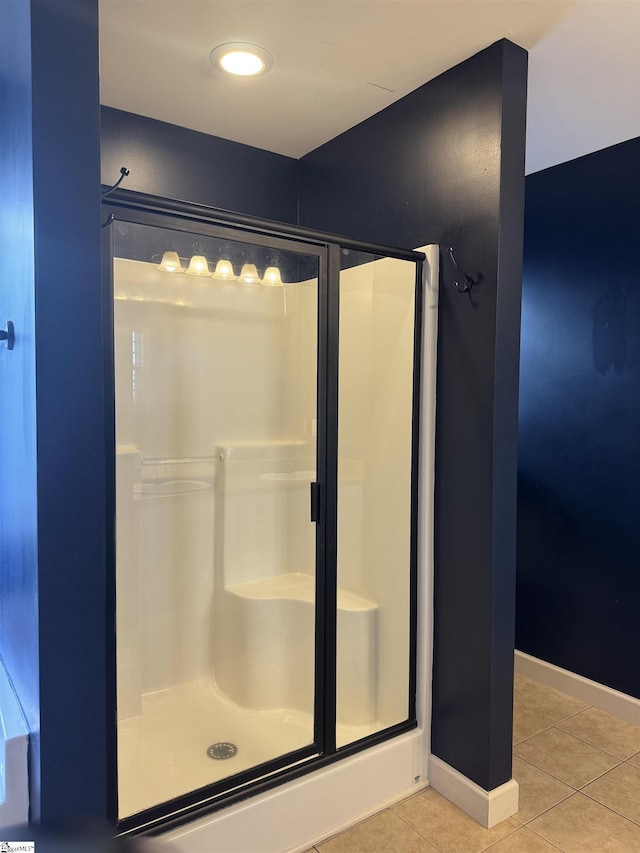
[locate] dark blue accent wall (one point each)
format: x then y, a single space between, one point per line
446 165
579 456
71 412
55 624
174 162
18 496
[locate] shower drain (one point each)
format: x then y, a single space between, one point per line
222 750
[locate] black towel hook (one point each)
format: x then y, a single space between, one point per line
468 281
124 173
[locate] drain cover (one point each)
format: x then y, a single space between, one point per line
222 750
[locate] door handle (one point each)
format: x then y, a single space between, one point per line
316 501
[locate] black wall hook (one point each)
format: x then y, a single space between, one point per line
468 281
7 334
124 173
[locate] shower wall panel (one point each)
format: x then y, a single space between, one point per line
183 347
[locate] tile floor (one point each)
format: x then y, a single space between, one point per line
579 775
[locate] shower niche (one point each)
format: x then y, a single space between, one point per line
266 383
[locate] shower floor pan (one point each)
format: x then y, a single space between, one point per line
162 753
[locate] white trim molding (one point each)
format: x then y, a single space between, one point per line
618 704
14 745
487 807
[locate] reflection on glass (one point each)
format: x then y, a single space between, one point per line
374 493
215 406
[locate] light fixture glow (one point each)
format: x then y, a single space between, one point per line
249 274
198 266
170 262
242 63
243 60
272 277
224 271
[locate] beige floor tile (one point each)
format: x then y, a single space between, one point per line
619 790
447 827
523 841
635 760
382 833
545 703
525 725
538 790
568 759
580 825
604 731
519 679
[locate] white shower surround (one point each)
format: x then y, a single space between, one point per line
325 799
294 816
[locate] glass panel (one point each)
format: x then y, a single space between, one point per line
374 493
215 427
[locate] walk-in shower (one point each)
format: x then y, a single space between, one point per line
266 385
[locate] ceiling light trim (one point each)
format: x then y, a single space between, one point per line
224 51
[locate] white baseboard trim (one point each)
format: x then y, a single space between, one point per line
619 704
487 807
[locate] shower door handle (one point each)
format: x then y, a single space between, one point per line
316 501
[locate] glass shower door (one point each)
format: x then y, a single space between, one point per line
376 496
216 341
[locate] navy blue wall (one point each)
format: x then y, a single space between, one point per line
18 507
579 455
446 165
71 414
54 603
175 162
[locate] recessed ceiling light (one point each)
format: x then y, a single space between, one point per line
244 60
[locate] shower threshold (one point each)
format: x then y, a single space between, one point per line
163 753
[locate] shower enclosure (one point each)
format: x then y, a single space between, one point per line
266 396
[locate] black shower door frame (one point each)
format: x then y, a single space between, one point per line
132 207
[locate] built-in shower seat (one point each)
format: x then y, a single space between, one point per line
265 613
273 665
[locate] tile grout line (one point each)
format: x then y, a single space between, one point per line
609 809
349 828
442 850
564 781
604 805
600 775
588 743
428 840
546 725
555 846
414 828
561 720
550 808
546 729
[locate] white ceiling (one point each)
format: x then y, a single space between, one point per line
339 61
